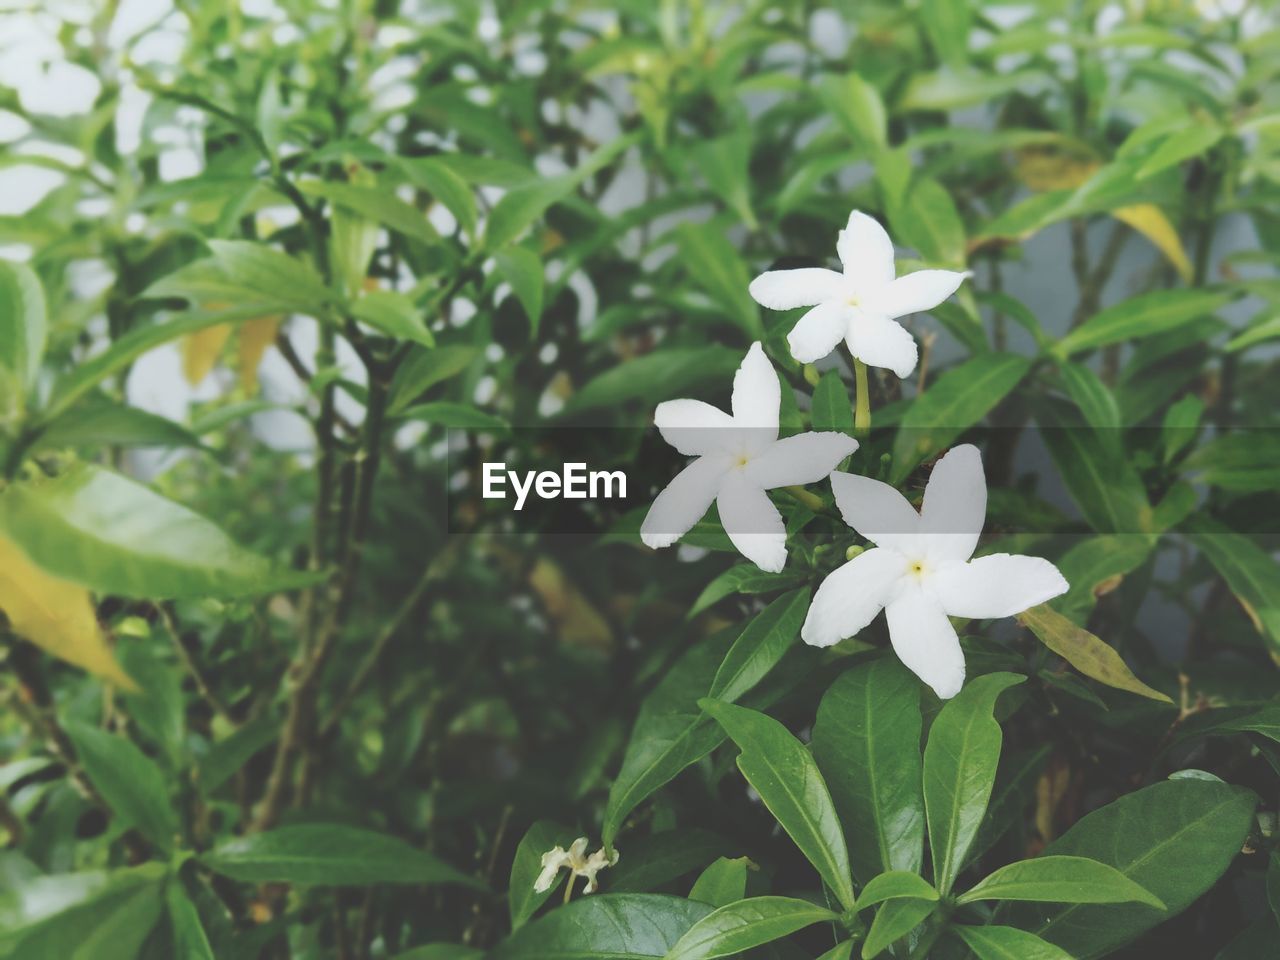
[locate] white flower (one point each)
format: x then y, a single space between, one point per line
739 458
579 865
919 570
859 305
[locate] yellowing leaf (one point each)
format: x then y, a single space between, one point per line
200 351
1084 651
255 337
56 615
1150 221
579 623
1041 169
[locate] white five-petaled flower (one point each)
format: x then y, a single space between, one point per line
739 458
860 305
577 862
919 570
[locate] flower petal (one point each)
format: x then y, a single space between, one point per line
851 596
955 506
880 342
877 511
866 253
693 427
804 458
683 502
752 522
925 641
999 585
816 333
757 394
922 290
788 289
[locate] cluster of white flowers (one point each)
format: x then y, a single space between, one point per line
919 570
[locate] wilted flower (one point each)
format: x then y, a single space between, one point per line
739 458
859 305
578 864
919 570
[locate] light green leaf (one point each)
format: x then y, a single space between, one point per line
723 162
441 951
957 400
375 203
1059 879
894 885
423 370
788 781
455 416
867 743
731 929
724 882
1094 398
105 423
1263 327
894 920
960 763
243 274
1180 426
1084 651
330 855
522 268
189 939
953 90
715 265
947 24
130 783
832 408
1007 943
1247 461
1145 315
393 314
23 330
113 535
1183 145
438 179
1174 839
616 926
769 635
927 219
858 107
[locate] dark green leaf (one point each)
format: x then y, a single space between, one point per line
760 646
1059 879
894 920
832 408
611 926
1008 943
894 885
736 927
435 176
715 265
455 416
423 370
522 900
522 268
1142 316
657 376
663 857
106 423
130 783
744 578
721 883
189 939
379 204
1250 572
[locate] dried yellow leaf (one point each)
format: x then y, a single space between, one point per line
255 337
56 615
200 351
1042 169
579 623
1150 221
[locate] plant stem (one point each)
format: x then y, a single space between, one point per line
862 401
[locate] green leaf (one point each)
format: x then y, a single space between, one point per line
665 856
1250 571
617 926
376 203
1095 566
393 314
23 330
894 885
721 883
714 264
455 416
723 162
330 855
894 920
106 423
1096 402
1262 328
1174 839
106 532
947 24
130 783
744 578
1007 943
788 781
736 927
1273 882
1244 462
1059 879
243 274
952 90
441 951
657 376
423 370
522 268
189 939
866 740
522 900
229 755
927 219
524 204
761 645
832 409
1183 145
1145 315
435 176
858 107
960 763
956 401
1084 651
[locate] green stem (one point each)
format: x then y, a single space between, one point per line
862 402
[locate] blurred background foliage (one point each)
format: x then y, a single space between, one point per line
287 255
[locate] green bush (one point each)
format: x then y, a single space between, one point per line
282 683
